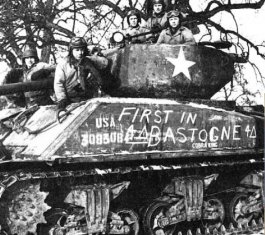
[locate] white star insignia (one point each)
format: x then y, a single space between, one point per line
181 64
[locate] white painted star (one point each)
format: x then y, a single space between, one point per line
181 64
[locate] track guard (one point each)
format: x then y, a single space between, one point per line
191 189
96 201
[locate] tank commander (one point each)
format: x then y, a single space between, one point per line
184 8
134 21
77 77
175 33
32 70
157 21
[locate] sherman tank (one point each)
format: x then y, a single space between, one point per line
153 156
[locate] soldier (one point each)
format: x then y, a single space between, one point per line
175 33
32 70
184 8
36 71
77 77
157 21
134 21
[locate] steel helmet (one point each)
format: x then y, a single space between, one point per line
76 42
29 51
133 13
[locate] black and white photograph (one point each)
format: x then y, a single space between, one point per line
132 117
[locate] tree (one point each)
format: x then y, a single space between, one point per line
50 23
31 21
237 90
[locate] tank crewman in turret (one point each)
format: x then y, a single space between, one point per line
184 8
32 70
77 77
157 21
134 21
175 33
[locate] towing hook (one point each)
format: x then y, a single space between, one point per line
60 114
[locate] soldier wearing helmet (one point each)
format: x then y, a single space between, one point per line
157 21
77 77
35 71
184 8
32 70
134 21
175 33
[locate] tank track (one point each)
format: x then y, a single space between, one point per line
10 178
254 228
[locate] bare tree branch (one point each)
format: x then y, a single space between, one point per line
228 7
226 31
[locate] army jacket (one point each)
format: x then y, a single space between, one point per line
134 31
182 36
68 78
154 20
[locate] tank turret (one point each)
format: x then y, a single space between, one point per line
166 71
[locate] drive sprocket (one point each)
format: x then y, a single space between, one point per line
22 208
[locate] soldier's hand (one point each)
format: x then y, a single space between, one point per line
156 28
128 37
62 104
61 108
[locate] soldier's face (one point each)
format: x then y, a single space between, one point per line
158 8
78 53
133 21
30 61
173 22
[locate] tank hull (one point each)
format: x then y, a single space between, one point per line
132 129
